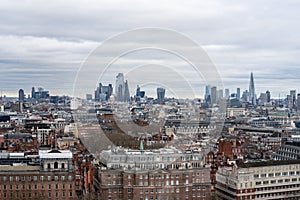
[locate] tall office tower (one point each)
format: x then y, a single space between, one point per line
126 92
21 100
238 93
252 97
298 101
245 96
21 95
160 95
227 93
110 91
268 96
32 93
207 93
120 85
213 95
220 95
263 99
293 98
138 90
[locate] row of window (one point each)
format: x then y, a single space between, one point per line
35 178
278 181
276 174
152 176
177 197
35 187
34 195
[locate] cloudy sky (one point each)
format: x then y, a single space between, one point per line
44 43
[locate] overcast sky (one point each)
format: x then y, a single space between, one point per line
44 43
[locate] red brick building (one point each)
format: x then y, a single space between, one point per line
160 184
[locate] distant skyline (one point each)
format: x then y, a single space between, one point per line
43 44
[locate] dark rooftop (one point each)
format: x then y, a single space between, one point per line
267 163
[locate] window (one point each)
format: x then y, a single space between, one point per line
71 194
56 165
48 166
62 178
63 165
49 187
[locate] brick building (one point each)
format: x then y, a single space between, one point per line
166 173
51 176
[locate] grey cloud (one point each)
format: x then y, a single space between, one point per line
49 40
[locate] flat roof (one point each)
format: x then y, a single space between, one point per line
52 154
267 163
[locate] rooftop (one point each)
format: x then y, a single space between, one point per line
267 163
52 154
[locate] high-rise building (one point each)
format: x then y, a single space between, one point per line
227 93
160 95
238 93
41 94
298 101
207 93
252 97
220 95
120 86
213 95
245 96
293 98
89 97
126 92
121 89
268 96
32 93
139 92
21 95
263 99
103 92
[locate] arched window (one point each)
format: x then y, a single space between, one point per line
55 165
63 165
49 166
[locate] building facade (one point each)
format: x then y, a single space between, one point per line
259 180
